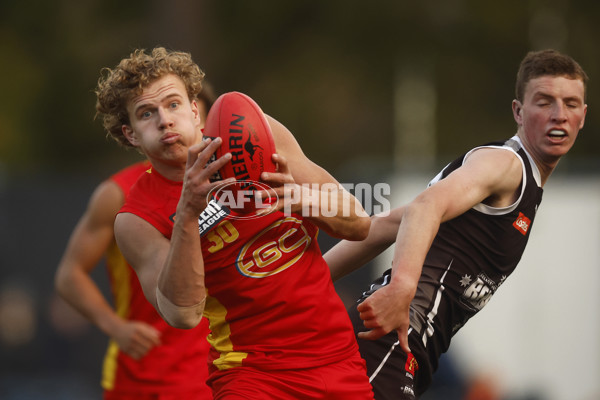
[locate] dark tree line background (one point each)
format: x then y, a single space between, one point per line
326 69
335 72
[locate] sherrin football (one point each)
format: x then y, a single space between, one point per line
246 134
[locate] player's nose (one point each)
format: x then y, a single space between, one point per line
165 119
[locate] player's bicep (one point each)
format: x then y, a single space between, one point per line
144 248
486 174
93 233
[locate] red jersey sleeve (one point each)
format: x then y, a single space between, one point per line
126 177
152 198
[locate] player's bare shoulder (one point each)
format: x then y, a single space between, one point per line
501 169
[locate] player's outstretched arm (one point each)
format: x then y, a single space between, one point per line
347 256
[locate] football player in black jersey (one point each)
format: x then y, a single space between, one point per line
459 239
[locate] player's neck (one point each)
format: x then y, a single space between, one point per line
173 172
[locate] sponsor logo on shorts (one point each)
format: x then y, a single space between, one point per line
411 365
408 391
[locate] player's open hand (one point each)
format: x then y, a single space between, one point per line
385 310
283 187
196 181
136 338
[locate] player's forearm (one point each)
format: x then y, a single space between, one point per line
337 212
347 256
420 223
180 293
80 291
181 279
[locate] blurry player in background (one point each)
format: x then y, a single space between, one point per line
146 358
458 241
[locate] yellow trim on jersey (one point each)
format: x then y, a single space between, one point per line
120 274
109 366
220 336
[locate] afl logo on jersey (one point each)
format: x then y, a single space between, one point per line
261 258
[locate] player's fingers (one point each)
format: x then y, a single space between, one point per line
151 335
200 154
370 323
372 334
144 336
282 174
281 163
138 351
365 309
194 151
269 194
276 179
211 168
277 194
143 346
133 348
403 340
133 354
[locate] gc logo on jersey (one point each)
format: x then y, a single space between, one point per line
272 257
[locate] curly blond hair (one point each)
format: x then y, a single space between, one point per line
129 78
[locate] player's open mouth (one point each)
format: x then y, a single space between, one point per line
557 133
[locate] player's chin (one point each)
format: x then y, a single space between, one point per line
558 150
175 154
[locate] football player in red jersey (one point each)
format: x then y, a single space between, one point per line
278 329
146 358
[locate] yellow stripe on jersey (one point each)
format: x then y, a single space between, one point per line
109 367
220 336
120 275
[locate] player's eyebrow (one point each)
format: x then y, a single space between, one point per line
144 105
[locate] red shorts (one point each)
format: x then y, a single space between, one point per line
179 395
345 380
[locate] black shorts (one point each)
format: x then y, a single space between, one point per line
393 374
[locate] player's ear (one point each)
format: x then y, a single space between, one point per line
130 135
196 111
517 108
584 114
